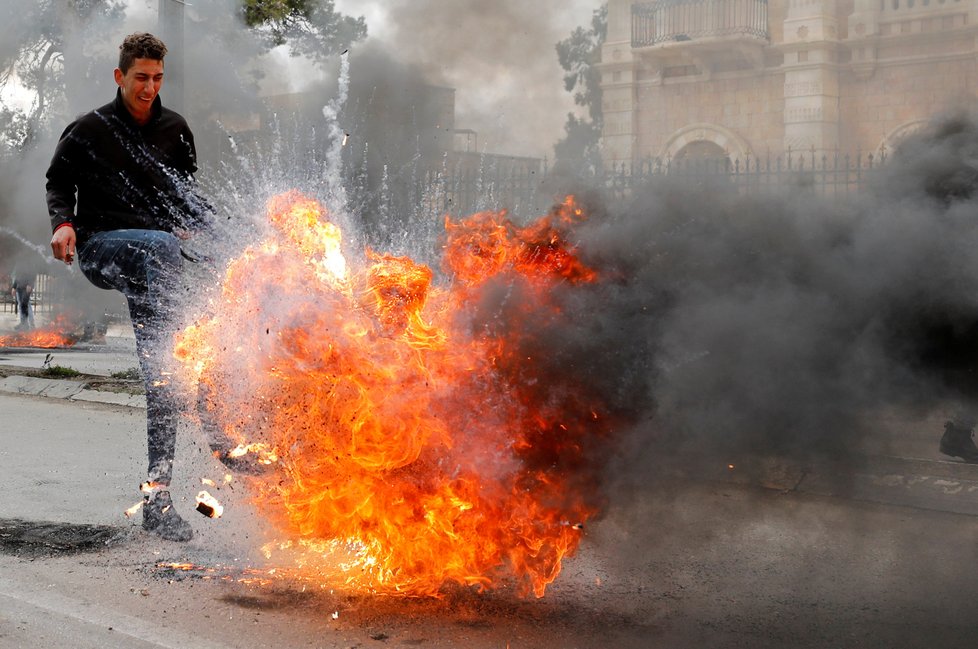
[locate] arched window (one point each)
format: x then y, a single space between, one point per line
703 154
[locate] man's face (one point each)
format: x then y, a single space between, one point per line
140 85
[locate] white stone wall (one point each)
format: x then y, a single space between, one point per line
838 75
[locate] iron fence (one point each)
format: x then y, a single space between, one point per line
44 296
520 191
531 192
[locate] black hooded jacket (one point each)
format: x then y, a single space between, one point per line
126 175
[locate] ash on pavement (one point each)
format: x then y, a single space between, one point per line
39 539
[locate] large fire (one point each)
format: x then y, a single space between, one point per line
392 425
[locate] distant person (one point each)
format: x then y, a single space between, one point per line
7 280
132 163
22 287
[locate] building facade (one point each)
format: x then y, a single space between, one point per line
742 79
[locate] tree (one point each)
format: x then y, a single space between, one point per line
578 152
44 43
42 58
311 28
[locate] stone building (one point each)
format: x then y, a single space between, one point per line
754 78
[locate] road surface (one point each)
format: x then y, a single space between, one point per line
684 562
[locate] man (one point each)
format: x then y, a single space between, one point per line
132 163
22 286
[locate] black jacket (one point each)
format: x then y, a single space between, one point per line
126 175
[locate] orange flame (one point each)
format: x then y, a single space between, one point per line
57 333
395 431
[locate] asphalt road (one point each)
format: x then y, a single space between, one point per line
682 563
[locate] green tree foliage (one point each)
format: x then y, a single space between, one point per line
578 151
311 28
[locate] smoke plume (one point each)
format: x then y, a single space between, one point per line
498 55
782 325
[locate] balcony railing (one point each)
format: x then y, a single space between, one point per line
918 6
667 21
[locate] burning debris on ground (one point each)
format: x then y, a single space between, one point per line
291 589
208 505
66 327
59 333
183 570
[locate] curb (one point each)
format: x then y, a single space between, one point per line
70 390
922 483
910 482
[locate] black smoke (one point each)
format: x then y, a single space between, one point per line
499 55
726 324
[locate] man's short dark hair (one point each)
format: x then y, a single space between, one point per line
140 46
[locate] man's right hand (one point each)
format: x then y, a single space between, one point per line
63 244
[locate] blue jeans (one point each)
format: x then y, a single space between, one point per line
143 265
24 308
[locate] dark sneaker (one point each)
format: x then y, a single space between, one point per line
959 442
159 517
